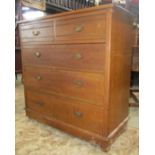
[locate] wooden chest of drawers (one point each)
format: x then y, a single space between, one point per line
76 71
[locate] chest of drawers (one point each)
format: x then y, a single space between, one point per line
76 71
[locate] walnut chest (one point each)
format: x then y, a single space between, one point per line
76 71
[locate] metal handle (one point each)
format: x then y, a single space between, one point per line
35 33
77 56
38 78
78 83
79 28
78 114
37 54
39 103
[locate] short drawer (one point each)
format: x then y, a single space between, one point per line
73 29
37 32
73 112
79 85
89 57
90 28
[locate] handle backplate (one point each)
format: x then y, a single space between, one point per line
35 32
79 28
78 114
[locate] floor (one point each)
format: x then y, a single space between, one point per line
34 138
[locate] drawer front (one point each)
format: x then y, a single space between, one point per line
41 32
49 105
88 117
84 29
89 57
39 102
74 112
82 86
89 28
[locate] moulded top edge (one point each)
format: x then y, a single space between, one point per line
75 12
100 7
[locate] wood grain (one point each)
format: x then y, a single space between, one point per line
120 67
86 57
77 113
77 70
86 86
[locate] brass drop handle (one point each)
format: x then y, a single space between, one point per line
39 103
38 78
78 83
37 54
77 56
35 33
79 28
78 114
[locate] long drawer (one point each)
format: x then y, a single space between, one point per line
88 28
89 57
79 85
82 115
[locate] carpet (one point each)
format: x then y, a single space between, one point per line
34 138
